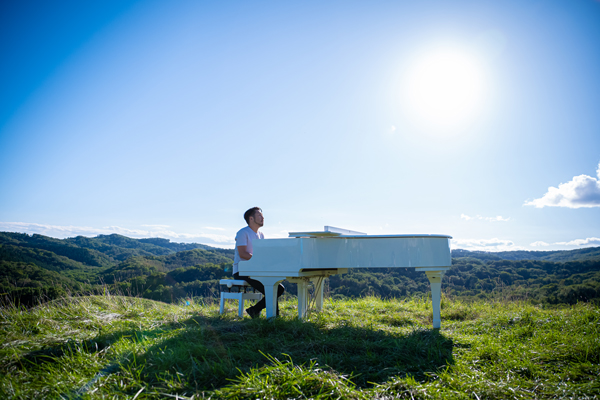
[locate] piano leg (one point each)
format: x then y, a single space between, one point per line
318 284
435 280
302 298
271 285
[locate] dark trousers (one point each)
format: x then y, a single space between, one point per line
262 304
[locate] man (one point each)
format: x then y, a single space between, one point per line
243 251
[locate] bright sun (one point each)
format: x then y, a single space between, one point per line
444 89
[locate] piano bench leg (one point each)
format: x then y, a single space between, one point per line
240 297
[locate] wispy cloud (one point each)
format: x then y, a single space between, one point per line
581 191
494 244
498 218
539 243
277 235
593 241
162 231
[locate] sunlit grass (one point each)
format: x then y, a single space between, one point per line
123 347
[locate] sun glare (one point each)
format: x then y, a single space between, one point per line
444 89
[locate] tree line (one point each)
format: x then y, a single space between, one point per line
34 268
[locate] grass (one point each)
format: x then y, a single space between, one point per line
111 347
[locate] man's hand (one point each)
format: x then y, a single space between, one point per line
244 253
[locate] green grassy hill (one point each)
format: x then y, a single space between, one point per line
100 347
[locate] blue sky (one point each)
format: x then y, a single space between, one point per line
475 119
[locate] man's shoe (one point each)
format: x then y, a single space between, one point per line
252 313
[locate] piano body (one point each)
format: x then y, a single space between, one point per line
313 256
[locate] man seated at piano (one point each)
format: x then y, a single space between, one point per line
243 252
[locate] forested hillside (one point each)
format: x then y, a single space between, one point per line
37 267
40 267
537 281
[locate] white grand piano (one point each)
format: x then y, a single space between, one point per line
307 257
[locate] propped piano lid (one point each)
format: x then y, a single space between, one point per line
328 231
333 232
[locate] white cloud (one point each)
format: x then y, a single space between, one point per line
161 231
539 243
494 244
49 230
276 234
581 191
593 241
588 242
498 218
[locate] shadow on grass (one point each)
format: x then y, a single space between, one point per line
98 344
210 351
207 352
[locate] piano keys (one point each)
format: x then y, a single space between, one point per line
307 257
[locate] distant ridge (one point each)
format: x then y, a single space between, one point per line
37 268
588 253
146 246
99 250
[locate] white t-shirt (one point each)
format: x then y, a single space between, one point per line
244 237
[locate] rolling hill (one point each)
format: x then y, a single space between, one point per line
37 265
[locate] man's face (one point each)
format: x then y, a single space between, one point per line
258 217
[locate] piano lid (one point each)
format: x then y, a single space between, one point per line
328 231
333 232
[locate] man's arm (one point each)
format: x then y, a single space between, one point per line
244 255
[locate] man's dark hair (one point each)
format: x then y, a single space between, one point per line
250 213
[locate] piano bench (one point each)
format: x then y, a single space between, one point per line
240 294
